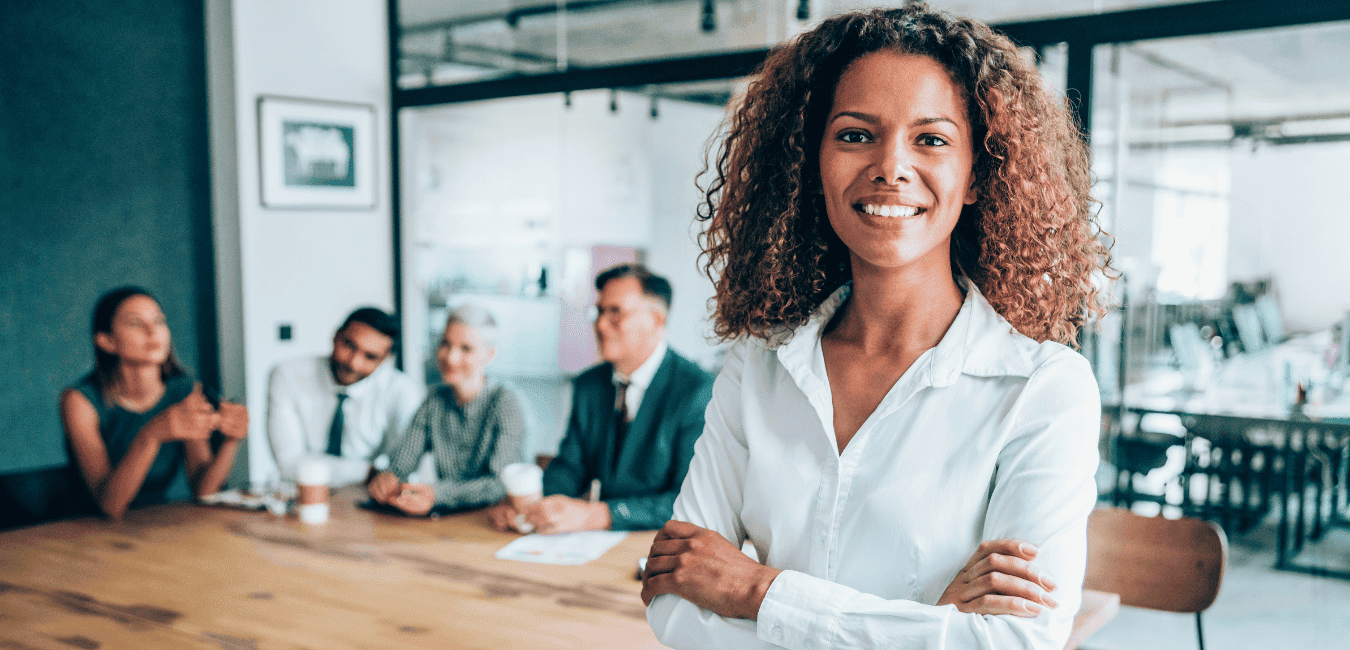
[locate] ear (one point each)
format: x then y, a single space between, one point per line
104 341
972 194
660 315
492 354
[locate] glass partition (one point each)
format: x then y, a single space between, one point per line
1216 158
514 204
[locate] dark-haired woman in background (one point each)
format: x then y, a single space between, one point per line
138 420
902 241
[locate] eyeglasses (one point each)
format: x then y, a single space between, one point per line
612 314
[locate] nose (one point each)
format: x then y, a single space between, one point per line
893 163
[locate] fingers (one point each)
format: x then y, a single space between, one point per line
995 604
1000 584
678 529
414 501
654 585
1012 566
668 547
1011 547
500 517
384 487
548 515
663 564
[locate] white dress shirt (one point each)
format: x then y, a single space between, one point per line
641 379
301 400
988 435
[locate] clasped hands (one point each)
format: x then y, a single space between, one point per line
702 567
193 418
411 498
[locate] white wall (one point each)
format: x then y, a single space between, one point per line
305 268
1289 220
676 145
526 175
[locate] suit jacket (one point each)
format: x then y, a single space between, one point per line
641 483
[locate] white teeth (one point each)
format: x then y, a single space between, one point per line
890 210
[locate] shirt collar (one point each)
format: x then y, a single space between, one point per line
448 394
979 342
642 377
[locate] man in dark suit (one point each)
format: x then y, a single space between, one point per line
635 418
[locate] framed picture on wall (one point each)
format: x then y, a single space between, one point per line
316 154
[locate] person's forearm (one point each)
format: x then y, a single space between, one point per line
211 477
124 482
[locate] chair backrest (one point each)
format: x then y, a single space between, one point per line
1173 565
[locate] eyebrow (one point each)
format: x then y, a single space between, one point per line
872 119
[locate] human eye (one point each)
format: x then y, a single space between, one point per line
854 137
933 140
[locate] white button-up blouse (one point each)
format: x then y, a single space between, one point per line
988 435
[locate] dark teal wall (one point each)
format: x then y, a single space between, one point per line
103 181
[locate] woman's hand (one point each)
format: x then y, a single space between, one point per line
383 488
414 498
702 567
190 418
233 420
502 516
999 579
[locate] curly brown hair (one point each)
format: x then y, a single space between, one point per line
1030 243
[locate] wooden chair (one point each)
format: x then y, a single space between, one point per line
1172 565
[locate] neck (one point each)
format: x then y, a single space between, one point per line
466 391
899 309
627 367
138 380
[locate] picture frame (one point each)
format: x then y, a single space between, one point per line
316 154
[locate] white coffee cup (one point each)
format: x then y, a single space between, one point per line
524 484
312 476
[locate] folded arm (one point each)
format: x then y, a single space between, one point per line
1043 494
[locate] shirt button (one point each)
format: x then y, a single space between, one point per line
777 633
820 536
808 645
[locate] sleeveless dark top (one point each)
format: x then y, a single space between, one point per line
167 478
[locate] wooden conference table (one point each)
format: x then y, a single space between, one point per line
186 576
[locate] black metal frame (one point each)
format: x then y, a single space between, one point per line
1081 33
1291 449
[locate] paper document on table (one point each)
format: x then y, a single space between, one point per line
561 548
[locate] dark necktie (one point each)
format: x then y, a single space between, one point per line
620 416
335 429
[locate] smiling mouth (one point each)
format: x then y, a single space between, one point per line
887 210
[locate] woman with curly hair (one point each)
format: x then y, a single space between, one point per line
901 236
